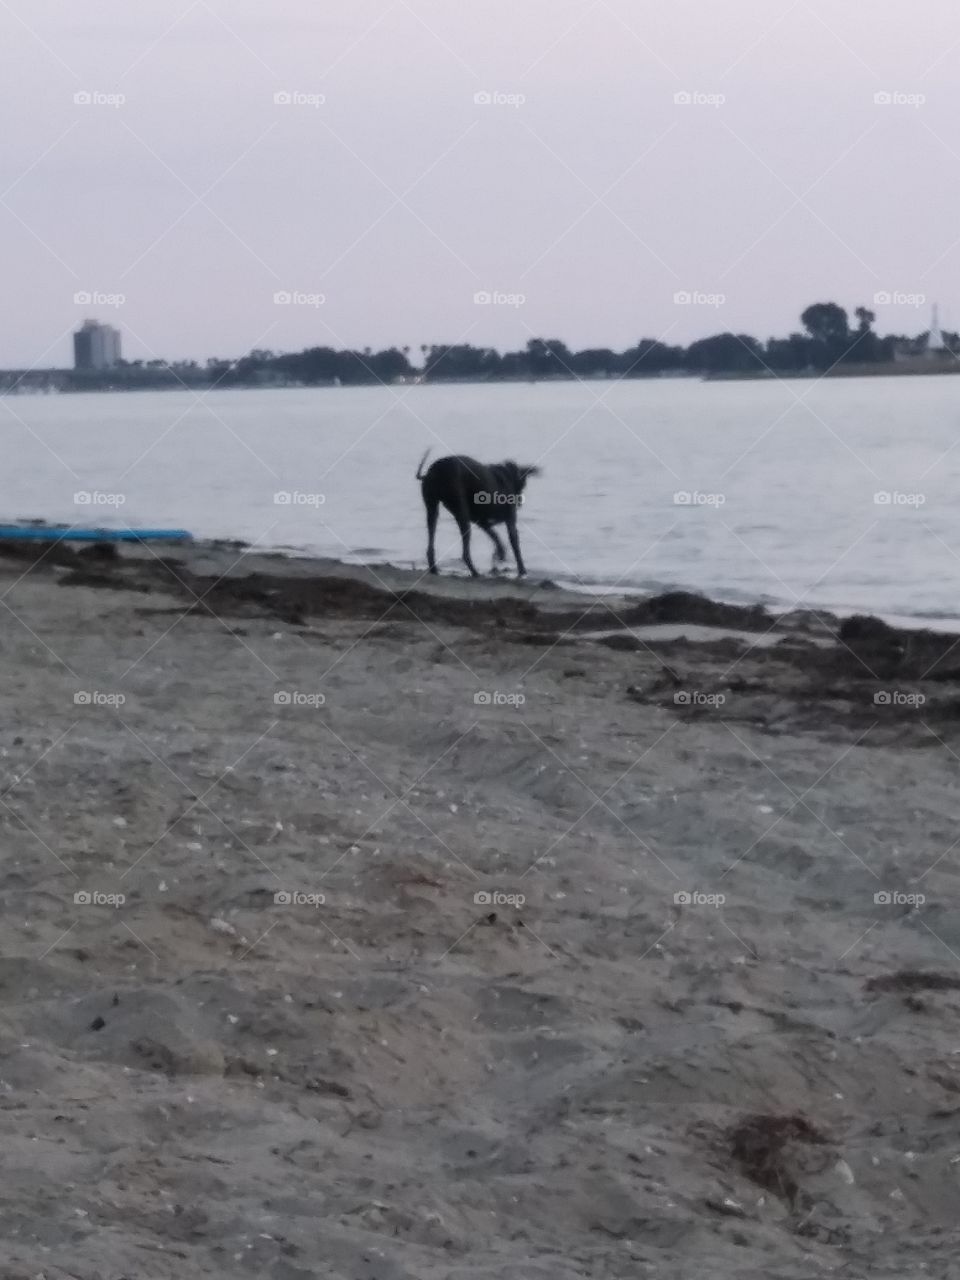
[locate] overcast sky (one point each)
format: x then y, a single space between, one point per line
583 187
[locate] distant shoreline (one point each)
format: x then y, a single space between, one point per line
918 368
61 382
827 347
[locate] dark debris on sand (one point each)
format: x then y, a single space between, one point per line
805 671
769 1150
909 980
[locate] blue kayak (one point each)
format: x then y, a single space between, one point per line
67 533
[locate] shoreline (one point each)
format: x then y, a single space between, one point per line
146 567
297 587
208 556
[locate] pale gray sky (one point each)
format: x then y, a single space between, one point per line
583 186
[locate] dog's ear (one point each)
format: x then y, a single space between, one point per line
526 472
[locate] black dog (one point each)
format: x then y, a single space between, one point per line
474 494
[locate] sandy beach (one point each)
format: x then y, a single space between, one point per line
367 926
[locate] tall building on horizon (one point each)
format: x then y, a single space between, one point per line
935 340
96 346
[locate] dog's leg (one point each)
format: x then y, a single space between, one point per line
433 507
499 551
515 544
464 524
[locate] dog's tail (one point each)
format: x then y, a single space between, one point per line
419 475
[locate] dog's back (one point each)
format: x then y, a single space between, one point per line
455 481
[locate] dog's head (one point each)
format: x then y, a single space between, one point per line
518 475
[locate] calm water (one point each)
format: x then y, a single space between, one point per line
783 478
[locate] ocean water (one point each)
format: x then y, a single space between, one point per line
842 494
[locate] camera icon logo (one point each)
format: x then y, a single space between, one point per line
681 698
482 898
82 499
483 98
481 698
282 698
82 898
682 298
682 898
282 98
283 499
83 298
82 698
482 298
683 98
82 98
483 498
883 898
282 898
882 498
282 298
883 98
882 299
882 698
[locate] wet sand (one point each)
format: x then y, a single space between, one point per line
621 966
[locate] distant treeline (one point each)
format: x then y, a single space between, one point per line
829 340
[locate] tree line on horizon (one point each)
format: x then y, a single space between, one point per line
829 338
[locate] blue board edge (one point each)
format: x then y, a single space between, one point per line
66 533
